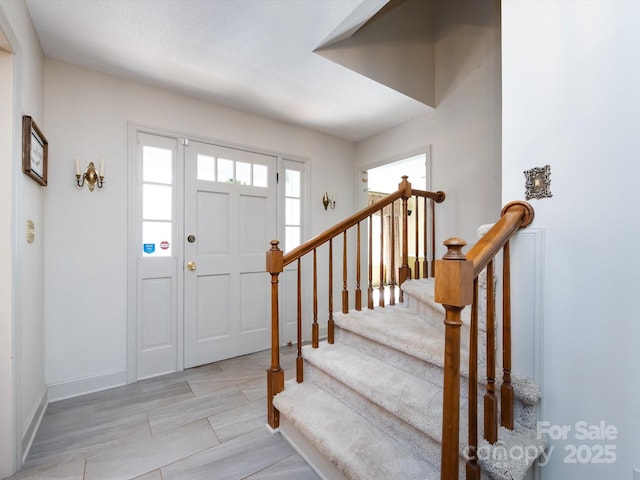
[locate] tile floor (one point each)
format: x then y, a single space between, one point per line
204 423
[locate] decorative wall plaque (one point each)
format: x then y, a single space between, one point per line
538 183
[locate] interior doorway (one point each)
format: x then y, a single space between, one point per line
382 180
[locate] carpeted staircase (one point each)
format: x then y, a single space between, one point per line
370 406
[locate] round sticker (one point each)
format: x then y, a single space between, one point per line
164 245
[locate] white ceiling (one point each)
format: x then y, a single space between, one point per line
252 55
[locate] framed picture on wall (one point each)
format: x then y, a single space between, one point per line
35 149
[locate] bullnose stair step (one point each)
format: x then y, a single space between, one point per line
357 448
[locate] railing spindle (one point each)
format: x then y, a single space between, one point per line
490 398
345 292
506 390
433 237
416 263
330 322
314 329
299 359
473 468
382 276
370 289
425 239
392 282
358 291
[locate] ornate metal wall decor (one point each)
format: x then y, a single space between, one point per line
538 183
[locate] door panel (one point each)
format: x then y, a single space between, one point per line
226 308
157 319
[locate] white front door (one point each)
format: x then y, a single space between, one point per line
229 219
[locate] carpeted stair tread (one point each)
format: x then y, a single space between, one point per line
398 328
415 401
358 449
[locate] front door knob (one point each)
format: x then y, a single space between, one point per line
191 266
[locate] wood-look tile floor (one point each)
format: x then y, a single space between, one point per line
203 423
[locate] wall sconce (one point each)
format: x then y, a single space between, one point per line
326 202
90 176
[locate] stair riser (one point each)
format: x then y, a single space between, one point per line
413 440
412 365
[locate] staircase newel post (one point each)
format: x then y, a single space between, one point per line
275 375
454 290
404 273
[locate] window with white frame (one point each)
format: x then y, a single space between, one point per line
293 203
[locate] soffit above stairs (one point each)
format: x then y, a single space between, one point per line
395 48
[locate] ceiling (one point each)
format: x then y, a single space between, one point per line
252 55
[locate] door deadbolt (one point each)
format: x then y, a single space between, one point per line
191 238
191 266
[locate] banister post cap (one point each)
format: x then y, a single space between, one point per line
274 258
454 249
454 276
405 186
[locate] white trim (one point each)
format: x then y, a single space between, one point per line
528 251
90 384
10 457
31 426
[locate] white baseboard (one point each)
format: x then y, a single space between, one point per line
81 386
31 425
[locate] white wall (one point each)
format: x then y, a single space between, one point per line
570 100
22 316
464 128
86 246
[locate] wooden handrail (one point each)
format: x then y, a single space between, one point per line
277 260
349 222
457 286
514 216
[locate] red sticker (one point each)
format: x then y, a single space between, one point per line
164 245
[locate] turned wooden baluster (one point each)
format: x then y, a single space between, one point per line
345 292
330 322
472 466
314 328
506 390
382 278
358 291
416 264
392 261
490 398
370 289
405 271
433 237
299 359
454 290
425 239
275 374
